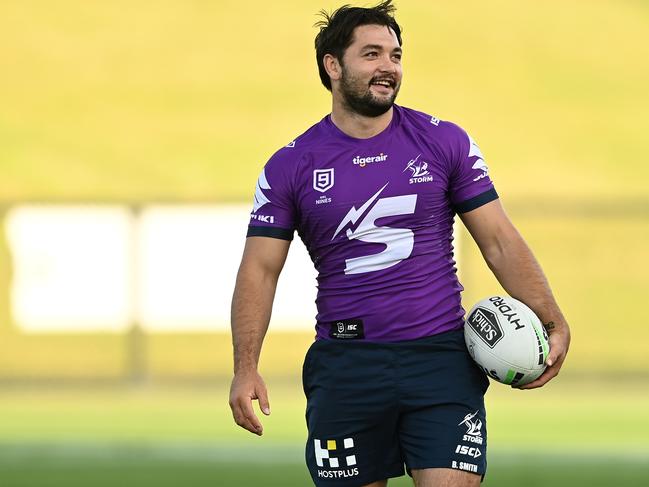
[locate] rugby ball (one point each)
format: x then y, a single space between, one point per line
507 340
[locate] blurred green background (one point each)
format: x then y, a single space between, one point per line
184 101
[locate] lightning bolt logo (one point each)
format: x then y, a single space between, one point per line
353 215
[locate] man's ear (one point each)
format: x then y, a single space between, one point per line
332 66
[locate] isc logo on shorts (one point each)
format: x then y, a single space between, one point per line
328 452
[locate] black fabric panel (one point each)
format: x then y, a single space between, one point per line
273 232
476 201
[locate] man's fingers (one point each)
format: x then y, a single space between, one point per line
556 351
245 388
559 343
251 417
250 424
245 417
550 373
264 404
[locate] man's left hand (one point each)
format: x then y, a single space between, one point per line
559 339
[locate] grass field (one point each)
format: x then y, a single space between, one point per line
574 433
128 466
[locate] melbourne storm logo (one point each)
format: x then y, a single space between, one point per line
419 171
473 425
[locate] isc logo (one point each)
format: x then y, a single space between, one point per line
469 451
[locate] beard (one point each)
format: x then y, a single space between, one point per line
360 99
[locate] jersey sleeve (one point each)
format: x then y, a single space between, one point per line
273 210
470 185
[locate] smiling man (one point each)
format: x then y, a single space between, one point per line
372 190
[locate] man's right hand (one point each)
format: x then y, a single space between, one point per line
246 387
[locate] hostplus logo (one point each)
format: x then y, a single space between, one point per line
364 161
332 456
419 170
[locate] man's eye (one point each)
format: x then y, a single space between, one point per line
371 54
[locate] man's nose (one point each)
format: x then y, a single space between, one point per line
387 64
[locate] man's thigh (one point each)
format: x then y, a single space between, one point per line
352 415
442 423
444 477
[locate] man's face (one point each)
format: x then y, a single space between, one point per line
371 70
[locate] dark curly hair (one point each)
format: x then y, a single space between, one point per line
337 30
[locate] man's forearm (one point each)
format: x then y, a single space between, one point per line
251 309
519 273
515 267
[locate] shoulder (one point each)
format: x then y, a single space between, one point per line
292 154
431 124
447 137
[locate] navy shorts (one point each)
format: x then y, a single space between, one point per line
374 407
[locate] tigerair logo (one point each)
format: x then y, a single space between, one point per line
330 455
364 161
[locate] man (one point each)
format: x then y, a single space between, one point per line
372 190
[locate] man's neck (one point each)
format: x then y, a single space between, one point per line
359 126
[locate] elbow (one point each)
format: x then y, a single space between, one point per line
500 248
494 255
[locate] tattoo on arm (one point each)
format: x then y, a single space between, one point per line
549 326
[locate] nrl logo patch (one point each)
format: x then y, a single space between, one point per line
347 329
485 324
323 179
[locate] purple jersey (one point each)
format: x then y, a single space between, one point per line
376 216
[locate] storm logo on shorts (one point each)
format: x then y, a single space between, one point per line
326 455
474 426
485 324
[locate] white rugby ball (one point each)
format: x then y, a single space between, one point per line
507 340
